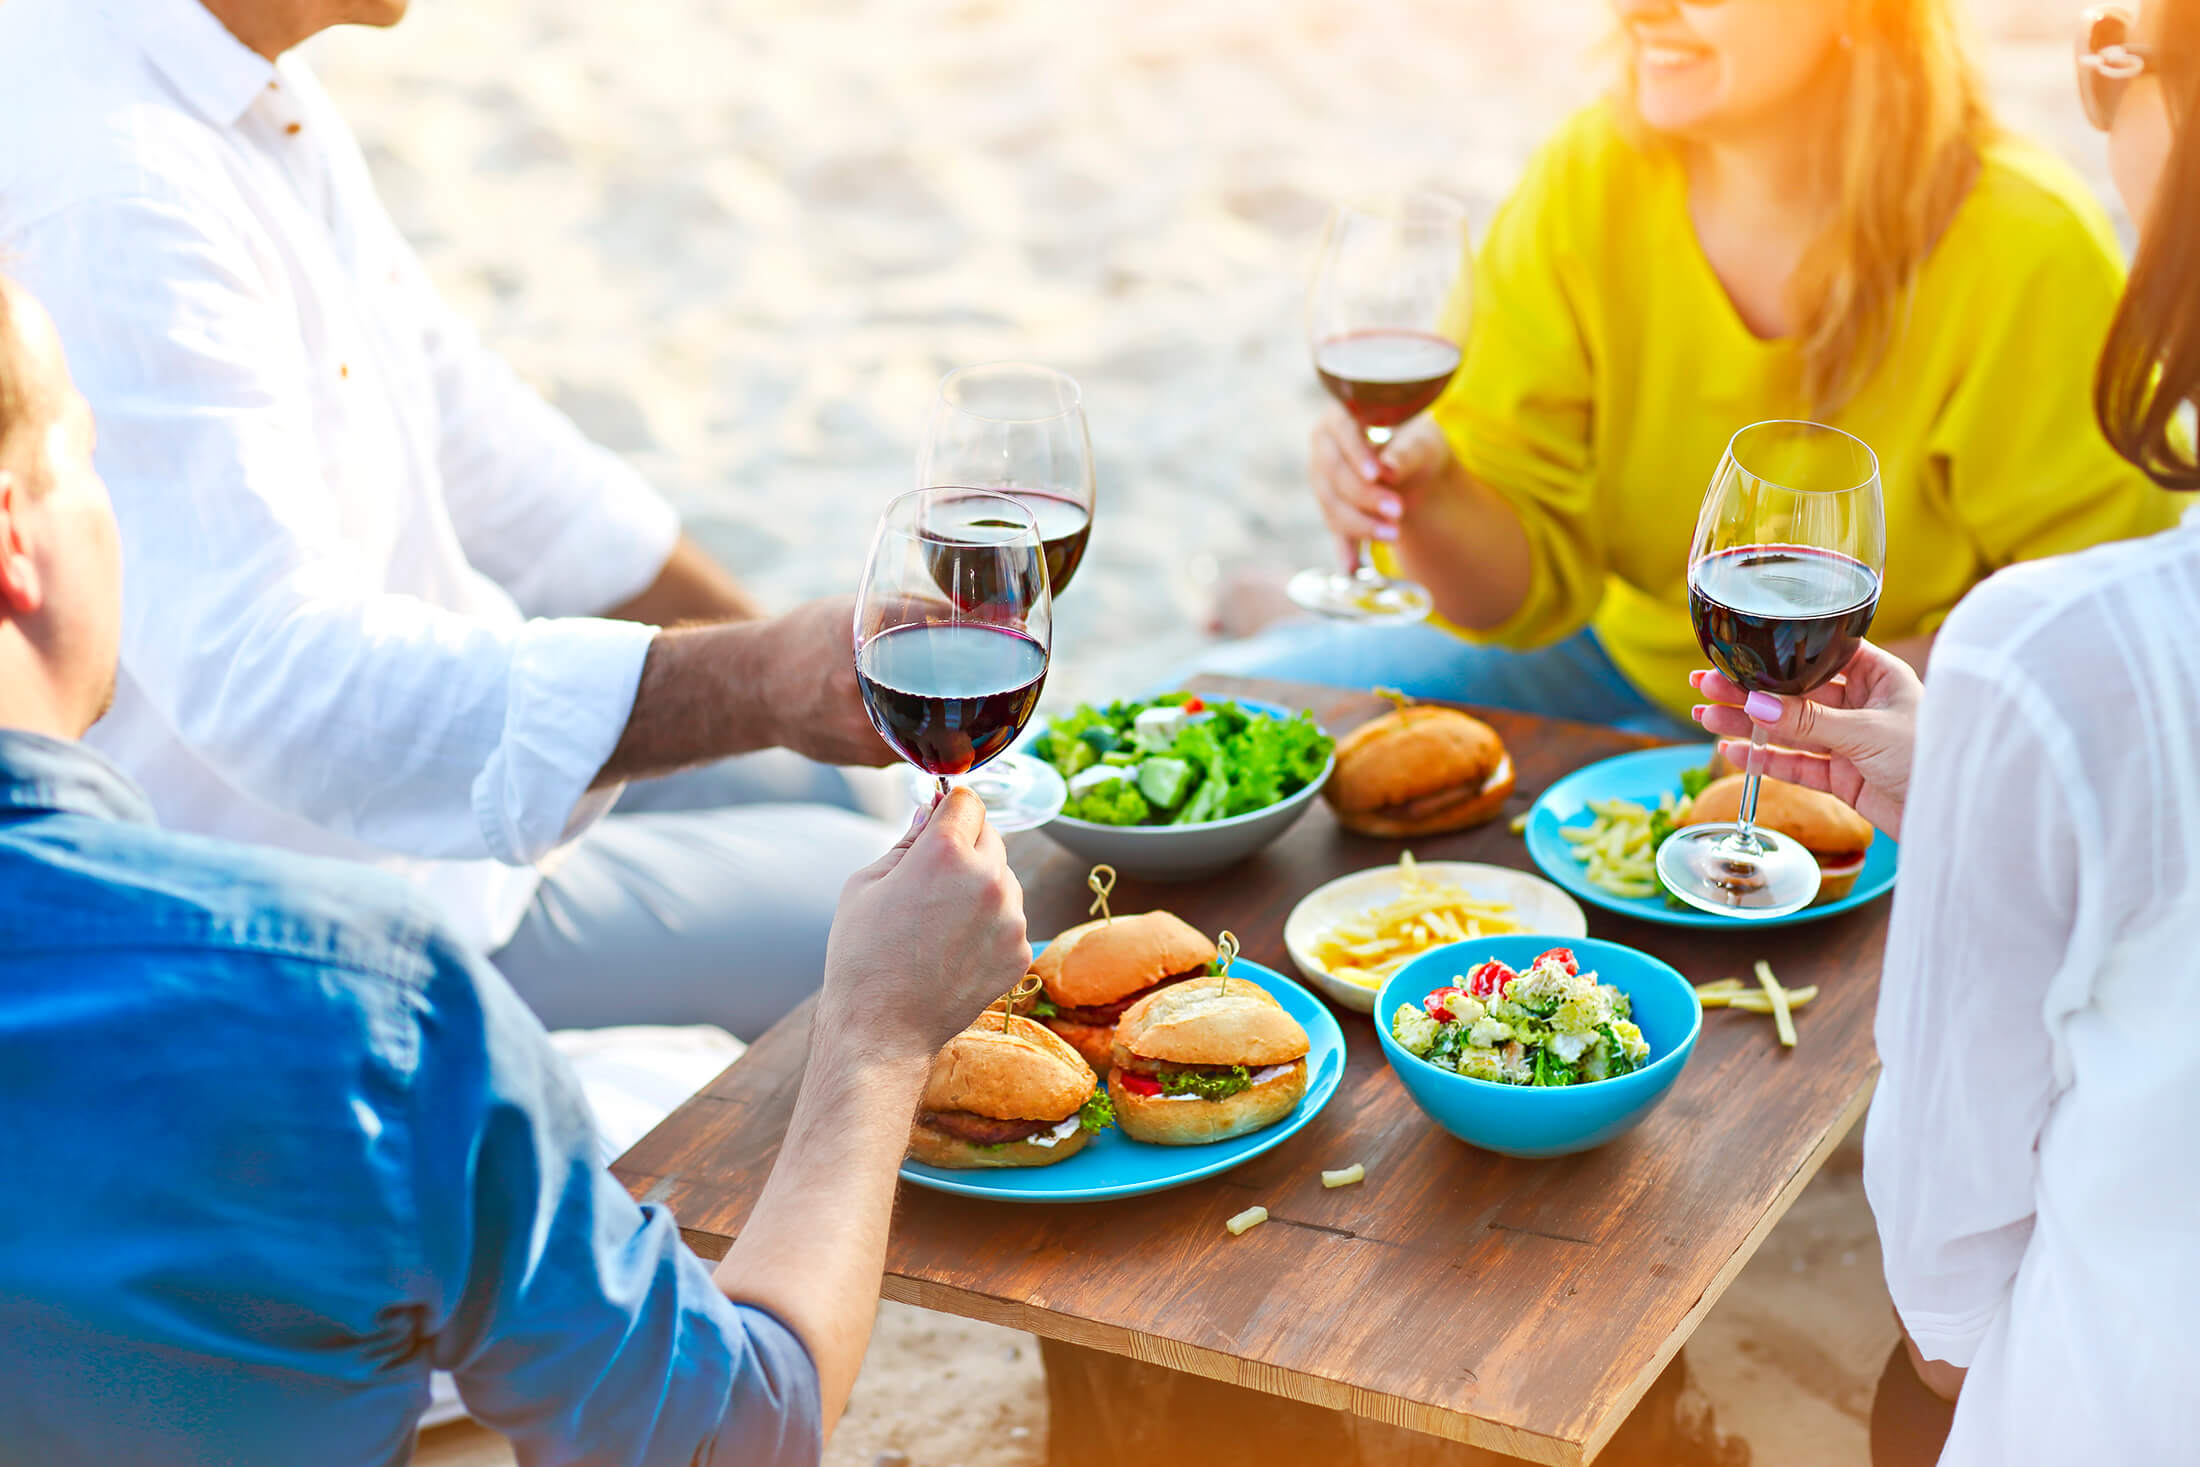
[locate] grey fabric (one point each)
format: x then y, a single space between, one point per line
703 898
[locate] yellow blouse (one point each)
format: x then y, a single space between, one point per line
1605 368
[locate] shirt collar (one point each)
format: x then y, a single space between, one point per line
216 74
41 775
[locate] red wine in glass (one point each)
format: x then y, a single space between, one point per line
1781 618
1064 527
948 697
1385 377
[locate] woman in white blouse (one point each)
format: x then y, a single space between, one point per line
2033 1155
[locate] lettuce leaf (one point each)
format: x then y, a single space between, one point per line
1117 802
1206 1087
1097 1113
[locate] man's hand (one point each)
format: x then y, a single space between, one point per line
808 686
714 691
1852 738
926 936
924 939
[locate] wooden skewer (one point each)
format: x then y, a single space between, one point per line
1102 881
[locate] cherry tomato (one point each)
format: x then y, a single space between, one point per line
1194 705
1565 958
1491 980
1438 1004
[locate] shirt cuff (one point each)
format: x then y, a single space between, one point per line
568 695
1952 1339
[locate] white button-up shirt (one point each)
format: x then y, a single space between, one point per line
361 558
2030 1151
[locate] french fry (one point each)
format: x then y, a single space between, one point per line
1753 1001
1781 1018
1368 948
1251 1217
1722 985
1345 1178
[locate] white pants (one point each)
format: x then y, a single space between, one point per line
702 898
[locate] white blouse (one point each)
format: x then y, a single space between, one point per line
361 558
2033 1155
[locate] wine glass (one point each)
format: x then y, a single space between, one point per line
1386 276
1017 429
952 632
1783 579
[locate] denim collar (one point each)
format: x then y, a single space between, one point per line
41 775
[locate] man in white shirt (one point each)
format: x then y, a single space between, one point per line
382 601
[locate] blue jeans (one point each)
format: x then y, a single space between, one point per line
1571 679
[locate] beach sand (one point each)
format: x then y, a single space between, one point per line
740 244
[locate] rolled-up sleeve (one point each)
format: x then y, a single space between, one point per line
575 1320
253 623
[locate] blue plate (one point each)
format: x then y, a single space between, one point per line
1643 777
1113 1165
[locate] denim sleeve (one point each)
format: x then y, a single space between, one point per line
575 1320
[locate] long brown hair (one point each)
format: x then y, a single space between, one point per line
1913 122
2150 368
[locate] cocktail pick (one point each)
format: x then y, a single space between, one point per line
1398 699
1102 882
1226 951
1006 1003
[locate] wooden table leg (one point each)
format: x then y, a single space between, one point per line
1108 1410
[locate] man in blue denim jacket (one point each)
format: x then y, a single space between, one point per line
273 1146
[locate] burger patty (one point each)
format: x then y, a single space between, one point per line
980 1130
1108 1013
1138 1064
1427 807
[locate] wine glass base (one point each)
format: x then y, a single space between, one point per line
1363 596
1703 867
1020 792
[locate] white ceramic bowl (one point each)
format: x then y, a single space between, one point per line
1537 905
1186 852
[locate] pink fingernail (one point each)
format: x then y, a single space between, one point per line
1368 470
1762 707
1393 506
1386 533
1699 711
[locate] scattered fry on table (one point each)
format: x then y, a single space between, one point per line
1520 823
1251 1217
1345 1178
1781 1019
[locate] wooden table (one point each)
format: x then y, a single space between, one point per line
1522 1306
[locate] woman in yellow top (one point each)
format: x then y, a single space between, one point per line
1792 208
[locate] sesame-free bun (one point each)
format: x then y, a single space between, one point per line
1163 1121
937 1148
1092 1042
1222 1021
1026 1072
1098 963
1422 770
1821 824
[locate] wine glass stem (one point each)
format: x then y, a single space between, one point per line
944 787
1746 837
1377 439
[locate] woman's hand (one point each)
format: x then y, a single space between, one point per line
1852 738
1363 495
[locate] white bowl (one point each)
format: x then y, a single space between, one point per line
1537 906
1186 852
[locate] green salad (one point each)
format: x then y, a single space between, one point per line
1552 1025
1180 759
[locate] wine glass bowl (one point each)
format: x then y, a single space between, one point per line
1783 581
953 632
1387 276
1018 429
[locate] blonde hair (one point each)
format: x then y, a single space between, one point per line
1913 123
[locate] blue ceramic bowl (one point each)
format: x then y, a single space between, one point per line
1520 1120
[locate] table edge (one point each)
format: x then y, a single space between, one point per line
1625 1402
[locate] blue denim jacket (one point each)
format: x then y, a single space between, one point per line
273 1146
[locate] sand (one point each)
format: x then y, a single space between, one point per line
740 243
